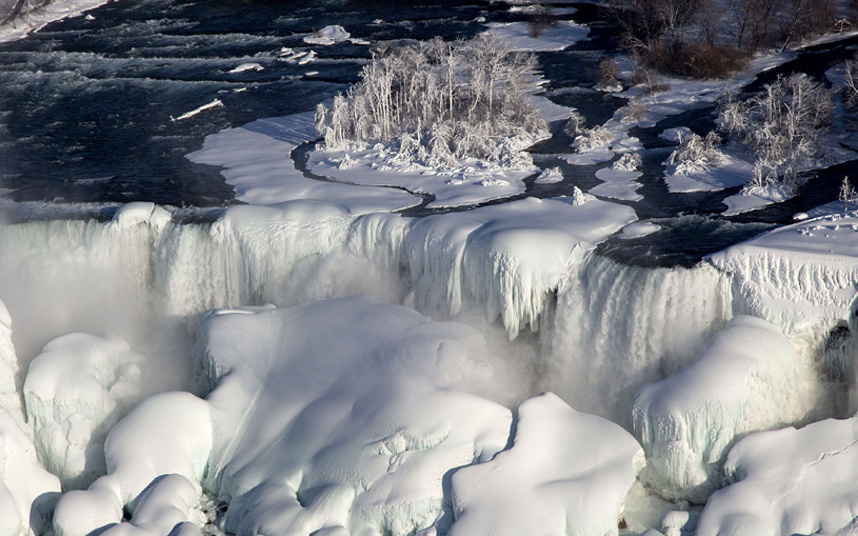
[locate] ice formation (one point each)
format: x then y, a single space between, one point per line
615 329
687 421
75 391
788 481
342 413
156 456
28 493
800 277
566 473
328 35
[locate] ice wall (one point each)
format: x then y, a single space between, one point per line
617 327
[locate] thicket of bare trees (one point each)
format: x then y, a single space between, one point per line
10 10
440 101
708 38
782 127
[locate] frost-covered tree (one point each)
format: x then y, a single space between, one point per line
696 153
440 101
782 126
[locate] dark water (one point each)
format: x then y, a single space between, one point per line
86 108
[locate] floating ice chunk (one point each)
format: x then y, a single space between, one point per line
549 176
676 134
328 35
687 421
788 481
27 492
141 212
307 58
566 473
76 389
636 230
166 434
187 115
559 36
244 67
342 413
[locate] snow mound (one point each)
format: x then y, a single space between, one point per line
328 35
789 481
550 176
27 492
75 391
800 277
166 434
687 421
566 473
342 414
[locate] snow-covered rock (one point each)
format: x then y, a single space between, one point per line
27 492
166 434
75 391
789 481
342 414
687 421
566 473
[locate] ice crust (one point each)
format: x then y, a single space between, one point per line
800 277
566 473
687 421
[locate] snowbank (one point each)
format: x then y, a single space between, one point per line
788 482
617 184
470 182
566 473
343 414
800 277
36 20
258 163
687 421
75 391
561 35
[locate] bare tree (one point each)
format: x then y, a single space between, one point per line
439 100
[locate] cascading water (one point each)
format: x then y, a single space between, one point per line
618 327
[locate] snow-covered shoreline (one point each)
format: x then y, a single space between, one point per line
38 19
